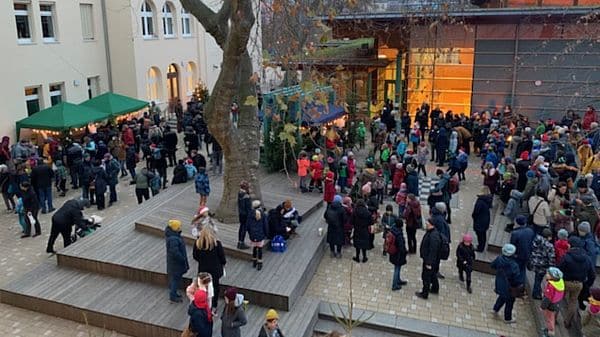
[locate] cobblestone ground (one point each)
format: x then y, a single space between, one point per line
372 281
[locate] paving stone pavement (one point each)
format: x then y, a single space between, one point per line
454 306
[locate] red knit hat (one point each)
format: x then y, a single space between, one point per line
524 155
231 293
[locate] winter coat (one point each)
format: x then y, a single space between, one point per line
422 155
244 205
441 143
513 206
481 213
263 332
170 140
398 259
329 191
143 178
590 321
507 275
41 176
177 262
361 220
542 213
557 201
69 214
555 290
112 171
231 322
561 247
210 261
438 219
199 323
100 179
398 178
316 170
335 216
522 167
180 175
257 225
591 247
412 182
542 254
490 179
412 214
576 266
202 184
431 245
522 238
465 255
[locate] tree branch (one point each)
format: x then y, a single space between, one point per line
214 23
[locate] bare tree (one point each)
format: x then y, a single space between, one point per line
231 28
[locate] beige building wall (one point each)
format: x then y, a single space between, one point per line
69 60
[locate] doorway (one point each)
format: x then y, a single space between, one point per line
172 82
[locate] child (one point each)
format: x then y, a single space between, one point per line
401 148
590 318
398 179
361 132
329 188
271 326
316 174
401 199
397 252
379 187
61 178
202 282
553 294
190 169
388 220
561 245
512 209
463 162
303 164
202 185
342 176
465 255
422 155
233 316
412 216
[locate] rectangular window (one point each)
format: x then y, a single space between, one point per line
185 23
32 99
93 84
87 21
22 20
56 93
47 18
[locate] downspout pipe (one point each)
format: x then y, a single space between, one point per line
106 44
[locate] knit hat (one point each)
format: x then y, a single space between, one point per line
595 293
271 314
563 234
584 227
203 210
575 241
315 157
509 250
555 273
440 206
467 237
547 232
582 183
330 160
521 220
337 198
524 155
255 203
231 293
175 225
347 201
530 174
585 141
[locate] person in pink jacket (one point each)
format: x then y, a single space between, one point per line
553 294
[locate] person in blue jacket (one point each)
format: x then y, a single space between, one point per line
257 231
201 318
412 180
522 238
507 276
177 262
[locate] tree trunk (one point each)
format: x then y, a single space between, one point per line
231 28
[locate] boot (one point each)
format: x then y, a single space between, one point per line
469 290
259 265
461 278
254 263
242 245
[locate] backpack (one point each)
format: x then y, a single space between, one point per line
389 244
155 183
445 248
278 244
453 184
156 153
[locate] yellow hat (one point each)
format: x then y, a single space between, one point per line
272 314
175 225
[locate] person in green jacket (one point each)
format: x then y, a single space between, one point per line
361 131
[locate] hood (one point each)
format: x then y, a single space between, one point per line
169 232
336 205
83 203
239 300
486 198
579 255
516 194
436 212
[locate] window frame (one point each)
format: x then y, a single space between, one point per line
27 14
56 93
91 23
31 97
52 15
147 17
186 16
168 16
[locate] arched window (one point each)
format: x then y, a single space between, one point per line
147 20
186 28
167 20
190 73
153 84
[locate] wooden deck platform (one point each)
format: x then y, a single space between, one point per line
133 308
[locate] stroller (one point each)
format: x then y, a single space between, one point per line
88 226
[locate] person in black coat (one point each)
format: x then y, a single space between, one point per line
41 180
399 258
481 217
170 143
441 145
198 159
100 179
430 254
335 216
30 205
64 219
209 253
177 262
361 221
179 173
244 208
465 255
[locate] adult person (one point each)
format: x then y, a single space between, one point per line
170 145
539 210
41 180
209 253
198 159
522 166
180 173
398 256
117 149
177 262
201 317
74 160
481 217
100 181
443 186
244 208
31 208
522 238
271 326
64 219
430 254
441 145
438 218
507 277
112 169
142 184
361 221
577 270
335 216
543 257
233 316
584 231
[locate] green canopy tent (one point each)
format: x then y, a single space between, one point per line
115 105
60 117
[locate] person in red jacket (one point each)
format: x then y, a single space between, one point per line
128 137
398 178
561 245
589 117
316 174
329 188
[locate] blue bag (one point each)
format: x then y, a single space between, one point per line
278 244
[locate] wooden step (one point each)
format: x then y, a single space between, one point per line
133 308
